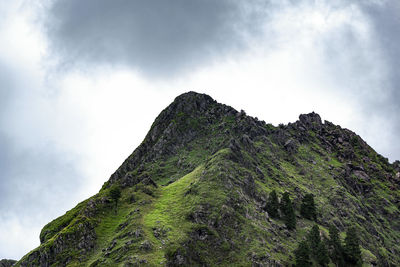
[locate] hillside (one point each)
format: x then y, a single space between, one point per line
196 191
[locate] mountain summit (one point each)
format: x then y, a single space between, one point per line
211 186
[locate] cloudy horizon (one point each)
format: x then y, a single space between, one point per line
82 81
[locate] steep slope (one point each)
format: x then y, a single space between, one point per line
195 192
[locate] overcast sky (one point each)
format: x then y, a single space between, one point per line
82 81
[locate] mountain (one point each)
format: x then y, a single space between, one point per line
197 192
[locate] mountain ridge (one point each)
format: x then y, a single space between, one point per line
195 192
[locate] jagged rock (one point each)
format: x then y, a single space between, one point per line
291 146
138 233
146 245
361 175
396 165
259 173
246 140
311 121
112 245
123 225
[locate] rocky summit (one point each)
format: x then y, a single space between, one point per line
212 186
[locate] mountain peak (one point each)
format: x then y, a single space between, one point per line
192 96
190 102
310 118
197 192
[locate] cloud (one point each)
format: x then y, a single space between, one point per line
385 20
351 45
37 176
156 37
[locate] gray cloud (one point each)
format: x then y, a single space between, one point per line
157 37
386 22
166 38
384 102
38 179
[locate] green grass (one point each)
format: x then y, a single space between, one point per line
108 224
169 212
206 175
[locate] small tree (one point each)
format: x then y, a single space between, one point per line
115 194
288 211
302 254
321 255
352 249
314 239
335 246
308 209
273 205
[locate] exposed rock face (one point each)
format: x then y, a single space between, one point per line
195 192
310 121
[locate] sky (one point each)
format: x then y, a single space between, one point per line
82 81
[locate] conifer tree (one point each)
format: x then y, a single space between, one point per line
335 247
321 255
115 194
352 249
273 205
314 239
302 254
308 209
288 211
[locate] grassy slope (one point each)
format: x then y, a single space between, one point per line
169 214
237 229
168 209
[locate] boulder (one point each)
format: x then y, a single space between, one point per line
311 121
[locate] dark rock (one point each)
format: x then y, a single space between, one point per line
159 232
291 145
361 175
138 233
149 181
123 225
112 245
146 245
234 146
129 242
396 165
259 172
132 199
311 121
246 140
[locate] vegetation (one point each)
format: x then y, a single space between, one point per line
316 248
289 215
273 205
314 239
352 249
303 255
335 246
115 194
308 209
195 192
321 255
